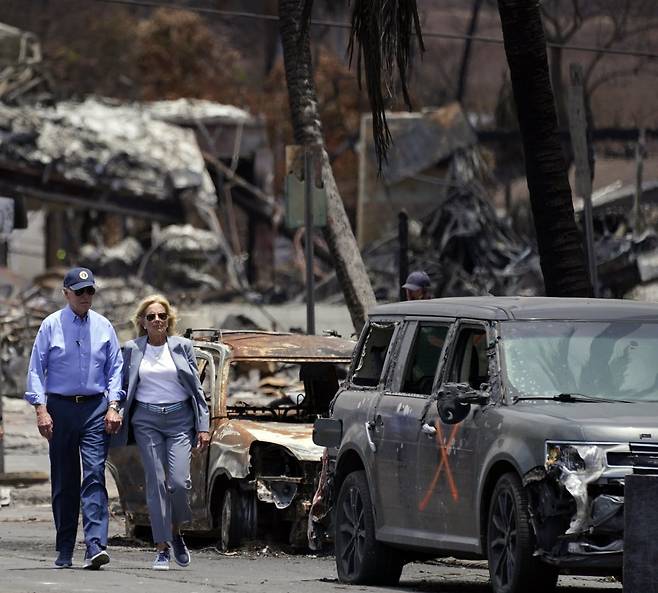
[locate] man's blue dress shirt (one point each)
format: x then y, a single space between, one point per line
75 356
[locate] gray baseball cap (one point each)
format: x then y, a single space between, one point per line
417 280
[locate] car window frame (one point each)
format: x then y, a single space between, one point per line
405 346
383 378
460 325
212 368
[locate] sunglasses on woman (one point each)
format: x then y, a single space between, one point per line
161 316
90 290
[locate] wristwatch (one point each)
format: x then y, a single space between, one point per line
115 405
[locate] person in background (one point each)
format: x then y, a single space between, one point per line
166 413
74 384
417 286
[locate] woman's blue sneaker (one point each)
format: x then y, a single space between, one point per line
161 561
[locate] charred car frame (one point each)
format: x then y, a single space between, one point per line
257 477
490 427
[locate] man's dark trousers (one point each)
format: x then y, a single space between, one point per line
79 433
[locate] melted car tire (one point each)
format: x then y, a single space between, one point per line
360 558
231 520
510 543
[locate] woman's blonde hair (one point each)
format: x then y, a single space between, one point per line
138 315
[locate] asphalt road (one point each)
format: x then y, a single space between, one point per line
27 551
27 554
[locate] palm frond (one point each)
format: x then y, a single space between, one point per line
382 35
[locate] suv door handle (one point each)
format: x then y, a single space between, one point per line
428 429
370 425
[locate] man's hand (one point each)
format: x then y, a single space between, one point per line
44 422
112 421
202 440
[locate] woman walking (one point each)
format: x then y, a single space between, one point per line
166 411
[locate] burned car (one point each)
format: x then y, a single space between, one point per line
490 427
258 475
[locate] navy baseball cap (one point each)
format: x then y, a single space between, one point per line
77 278
417 281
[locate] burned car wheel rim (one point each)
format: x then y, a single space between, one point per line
352 531
503 539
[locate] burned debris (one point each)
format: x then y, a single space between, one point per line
465 248
626 249
23 80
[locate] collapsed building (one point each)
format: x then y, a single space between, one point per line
625 241
96 160
441 176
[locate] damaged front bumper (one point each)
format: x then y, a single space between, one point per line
290 497
577 501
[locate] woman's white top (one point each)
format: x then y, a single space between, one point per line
158 378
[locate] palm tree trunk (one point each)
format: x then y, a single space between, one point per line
559 240
307 129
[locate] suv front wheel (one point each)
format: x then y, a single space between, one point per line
360 558
510 543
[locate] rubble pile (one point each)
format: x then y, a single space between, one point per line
465 248
181 258
23 80
119 260
626 250
19 322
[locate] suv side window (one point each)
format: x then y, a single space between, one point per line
424 358
370 360
470 363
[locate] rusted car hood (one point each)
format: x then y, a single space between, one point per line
294 437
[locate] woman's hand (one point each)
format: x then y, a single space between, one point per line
202 440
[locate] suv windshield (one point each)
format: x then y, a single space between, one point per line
615 360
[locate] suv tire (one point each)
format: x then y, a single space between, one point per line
510 543
360 558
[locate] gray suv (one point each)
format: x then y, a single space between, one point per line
490 427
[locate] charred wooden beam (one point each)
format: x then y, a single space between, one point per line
22 181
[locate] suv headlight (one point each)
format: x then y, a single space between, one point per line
575 457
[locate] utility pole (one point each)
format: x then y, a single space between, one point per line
578 130
308 232
640 148
403 259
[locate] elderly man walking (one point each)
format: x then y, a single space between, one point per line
74 383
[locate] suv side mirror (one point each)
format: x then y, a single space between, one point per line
454 401
327 432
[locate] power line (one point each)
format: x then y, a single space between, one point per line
339 25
